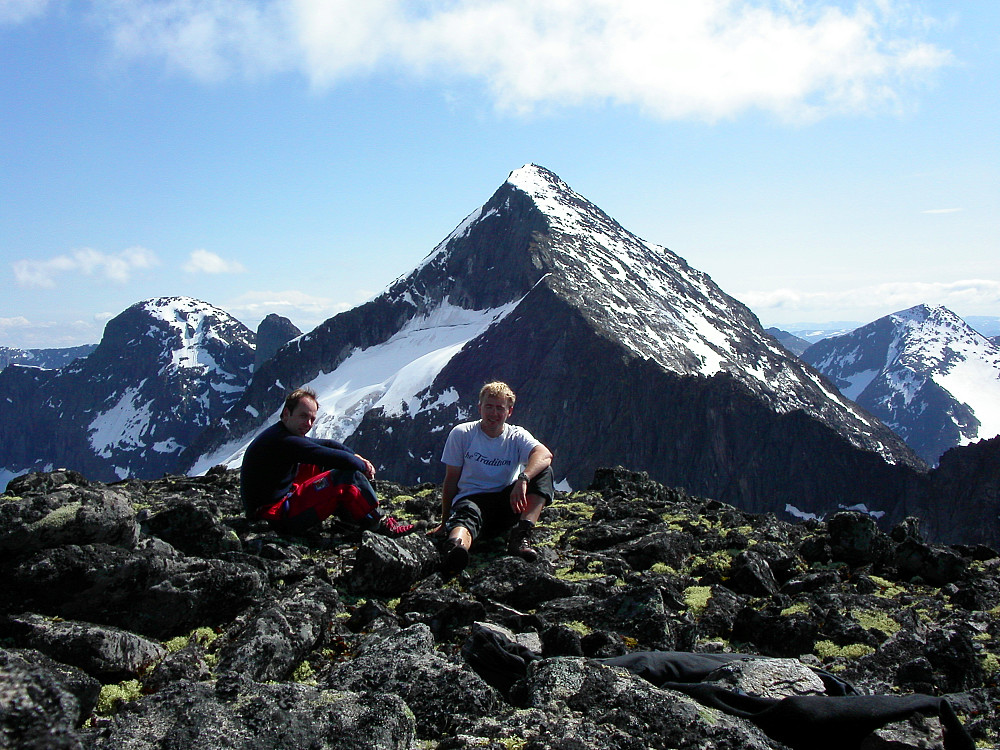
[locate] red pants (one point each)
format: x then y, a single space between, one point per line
318 494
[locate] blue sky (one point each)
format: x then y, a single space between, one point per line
821 161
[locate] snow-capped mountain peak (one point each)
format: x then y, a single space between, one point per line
164 369
924 371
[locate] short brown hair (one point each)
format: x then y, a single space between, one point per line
497 389
293 398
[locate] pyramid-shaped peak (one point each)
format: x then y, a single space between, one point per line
532 177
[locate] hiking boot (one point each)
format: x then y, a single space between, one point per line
389 526
455 558
519 542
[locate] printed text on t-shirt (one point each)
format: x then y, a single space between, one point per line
487 460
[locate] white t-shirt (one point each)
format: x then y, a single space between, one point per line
488 464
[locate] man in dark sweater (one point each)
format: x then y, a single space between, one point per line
294 482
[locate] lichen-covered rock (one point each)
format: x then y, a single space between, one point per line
90 514
41 704
340 639
443 694
108 653
240 714
768 678
387 567
193 530
150 590
660 718
271 641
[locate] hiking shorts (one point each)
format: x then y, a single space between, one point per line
489 513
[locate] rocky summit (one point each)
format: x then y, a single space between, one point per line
152 614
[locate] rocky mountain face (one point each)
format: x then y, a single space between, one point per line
924 372
790 341
273 333
164 369
150 614
48 359
619 352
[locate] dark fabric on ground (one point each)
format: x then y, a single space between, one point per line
661 667
821 722
498 660
839 720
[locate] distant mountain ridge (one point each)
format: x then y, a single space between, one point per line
164 369
924 372
48 359
789 340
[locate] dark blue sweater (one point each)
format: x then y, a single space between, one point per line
272 461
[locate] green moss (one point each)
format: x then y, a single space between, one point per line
579 627
112 695
201 636
304 673
595 569
696 598
991 663
795 609
663 569
887 588
830 650
875 620
720 562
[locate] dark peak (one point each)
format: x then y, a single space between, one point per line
273 333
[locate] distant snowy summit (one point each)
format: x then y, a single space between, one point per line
164 369
924 372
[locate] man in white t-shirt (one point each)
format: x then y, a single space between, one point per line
497 477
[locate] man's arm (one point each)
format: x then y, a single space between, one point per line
449 489
327 454
539 460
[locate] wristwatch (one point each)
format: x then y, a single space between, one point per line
523 476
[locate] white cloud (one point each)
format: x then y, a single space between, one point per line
305 310
708 59
87 261
19 11
967 296
203 261
17 322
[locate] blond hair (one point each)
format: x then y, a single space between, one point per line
497 389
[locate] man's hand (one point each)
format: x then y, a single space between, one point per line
519 496
438 532
369 467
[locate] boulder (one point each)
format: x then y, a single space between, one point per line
239 714
443 694
108 653
387 567
89 514
42 704
272 640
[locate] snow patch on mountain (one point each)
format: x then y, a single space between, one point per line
123 426
389 376
192 321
